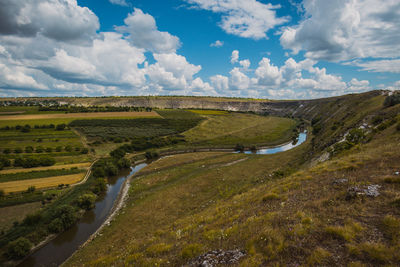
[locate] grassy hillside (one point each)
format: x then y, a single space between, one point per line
290 208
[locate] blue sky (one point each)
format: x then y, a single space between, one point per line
243 48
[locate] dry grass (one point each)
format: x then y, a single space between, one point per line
55 167
16 213
202 205
81 115
18 186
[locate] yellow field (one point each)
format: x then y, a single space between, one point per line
209 112
80 115
18 186
55 167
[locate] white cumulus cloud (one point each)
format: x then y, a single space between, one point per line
244 18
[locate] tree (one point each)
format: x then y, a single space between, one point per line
18 248
86 201
60 127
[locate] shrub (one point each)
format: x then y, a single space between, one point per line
99 186
31 189
56 226
49 150
18 150
191 250
5 162
39 149
392 100
18 248
123 163
239 147
151 155
68 148
66 214
2 193
58 149
99 172
32 219
28 149
391 228
86 201
84 150
60 127
398 127
7 151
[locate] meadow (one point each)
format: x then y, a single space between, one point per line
280 209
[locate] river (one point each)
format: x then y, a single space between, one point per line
65 244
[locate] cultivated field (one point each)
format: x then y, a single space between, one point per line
80 115
46 182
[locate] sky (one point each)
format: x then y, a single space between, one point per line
289 49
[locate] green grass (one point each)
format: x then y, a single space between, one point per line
202 203
26 110
246 129
37 174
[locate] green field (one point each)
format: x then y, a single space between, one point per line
246 129
271 206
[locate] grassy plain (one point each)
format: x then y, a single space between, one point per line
9 215
46 182
246 129
278 213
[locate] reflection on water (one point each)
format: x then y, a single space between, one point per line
302 138
60 248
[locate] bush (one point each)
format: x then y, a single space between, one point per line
191 250
28 149
19 248
60 127
392 100
56 226
31 189
7 151
5 162
398 127
66 214
123 163
239 147
99 172
39 149
2 193
49 150
32 219
84 150
151 155
99 186
68 148
18 150
86 201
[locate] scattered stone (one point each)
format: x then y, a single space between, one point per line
341 181
397 173
217 257
372 190
358 191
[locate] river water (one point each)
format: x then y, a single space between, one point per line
65 244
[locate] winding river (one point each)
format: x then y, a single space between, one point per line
65 244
